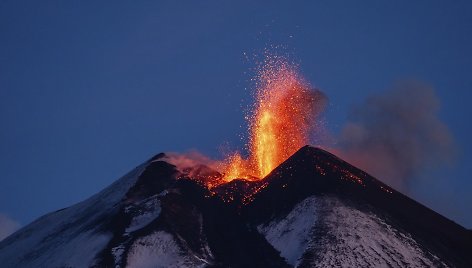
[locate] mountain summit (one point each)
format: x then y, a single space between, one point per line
313 210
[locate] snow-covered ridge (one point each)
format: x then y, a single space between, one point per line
145 212
323 231
290 235
161 215
141 214
70 237
159 249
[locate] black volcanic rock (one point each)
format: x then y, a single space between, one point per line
315 172
203 226
314 210
232 243
238 192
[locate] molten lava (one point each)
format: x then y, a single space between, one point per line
282 120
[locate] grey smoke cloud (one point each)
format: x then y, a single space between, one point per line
7 226
396 135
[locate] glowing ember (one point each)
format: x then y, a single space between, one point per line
282 120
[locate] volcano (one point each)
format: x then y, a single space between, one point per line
313 210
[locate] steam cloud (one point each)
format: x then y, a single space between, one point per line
396 135
7 226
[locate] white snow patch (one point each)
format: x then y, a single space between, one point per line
147 211
159 250
89 244
290 236
363 239
117 253
339 235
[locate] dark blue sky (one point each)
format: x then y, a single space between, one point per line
88 90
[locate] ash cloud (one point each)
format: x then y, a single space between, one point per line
397 135
7 226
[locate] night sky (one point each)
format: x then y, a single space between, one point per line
89 90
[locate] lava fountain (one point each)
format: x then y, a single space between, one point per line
283 118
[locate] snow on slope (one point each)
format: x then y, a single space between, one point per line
142 213
145 212
70 237
325 232
290 234
159 250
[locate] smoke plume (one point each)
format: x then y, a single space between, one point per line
189 160
396 135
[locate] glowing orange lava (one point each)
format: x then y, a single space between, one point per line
282 120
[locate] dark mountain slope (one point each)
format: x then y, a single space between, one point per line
314 210
312 171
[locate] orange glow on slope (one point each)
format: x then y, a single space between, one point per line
283 118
